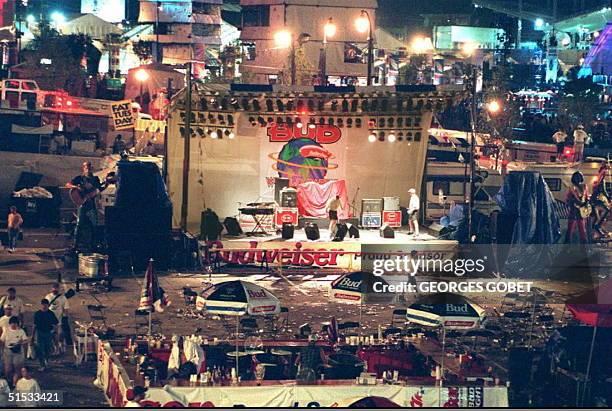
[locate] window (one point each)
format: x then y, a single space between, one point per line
29 85
11 84
256 16
249 51
164 28
449 188
201 8
441 185
553 183
353 54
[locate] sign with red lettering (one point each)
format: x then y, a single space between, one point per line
321 133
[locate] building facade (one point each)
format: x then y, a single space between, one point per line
184 30
264 61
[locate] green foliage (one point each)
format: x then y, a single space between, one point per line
498 89
144 50
580 100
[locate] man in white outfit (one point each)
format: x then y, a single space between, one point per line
580 137
413 212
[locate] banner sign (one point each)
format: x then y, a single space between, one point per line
110 376
346 255
315 396
122 115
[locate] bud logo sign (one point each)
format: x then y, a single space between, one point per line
303 157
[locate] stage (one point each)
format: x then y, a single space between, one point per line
350 254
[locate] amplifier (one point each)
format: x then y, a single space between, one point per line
288 197
285 215
372 220
392 218
391 204
371 205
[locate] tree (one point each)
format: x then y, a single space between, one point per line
498 89
57 61
144 50
580 101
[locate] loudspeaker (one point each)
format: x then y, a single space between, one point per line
287 231
312 231
279 185
210 227
341 231
371 205
137 249
232 226
387 232
520 362
353 231
288 197
152 220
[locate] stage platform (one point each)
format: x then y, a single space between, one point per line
272 249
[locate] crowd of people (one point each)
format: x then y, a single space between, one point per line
50 334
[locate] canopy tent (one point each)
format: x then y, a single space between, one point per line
92 26
157 80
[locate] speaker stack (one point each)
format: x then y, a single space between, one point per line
371 212
391 215
387 231
312 231
287 212
287 231
279 185
341 232
232 226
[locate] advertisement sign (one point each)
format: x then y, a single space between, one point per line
110 376
122 115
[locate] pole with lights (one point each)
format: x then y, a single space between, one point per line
284 39
363 25
329 30
141 76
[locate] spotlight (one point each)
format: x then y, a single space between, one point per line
252 121
365 105
226 132
428 105
214 134
400 122
256 105
372 138
330 121
399 104
354 105
269 105
234 103
408 136
439 105
381 122
182 131
391 137
409 104
312 121
290 105
280 105
419 105
289 121
245 104
400 136
230 120
211 118
334 105
279 120
300 105
384 105
203 104
408 122
349 122
417 121
345 106
390 121
200 131
270 120
220 133
358 122
417 136
374 105
372 123
231 135
340 123
312 125
298 123
321 105
221 118
381 136
261 121
321 120
224 104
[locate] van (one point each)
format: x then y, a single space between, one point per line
19 93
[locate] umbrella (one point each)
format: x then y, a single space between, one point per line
367 402
238 298
449 310
357 288
152 297
595 309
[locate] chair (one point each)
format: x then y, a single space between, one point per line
398 314
142 323
97 315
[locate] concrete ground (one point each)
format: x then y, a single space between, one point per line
37 263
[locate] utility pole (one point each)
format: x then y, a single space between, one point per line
472 150
169 98
186 151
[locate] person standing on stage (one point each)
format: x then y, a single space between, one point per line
578 202
580 138
559 139
88 186
332 208
413 212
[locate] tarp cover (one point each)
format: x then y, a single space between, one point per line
526 197
313 197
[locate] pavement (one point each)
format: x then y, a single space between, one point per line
37 264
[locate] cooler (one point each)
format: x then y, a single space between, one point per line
392 218
285 215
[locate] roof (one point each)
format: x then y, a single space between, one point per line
386 40
90 25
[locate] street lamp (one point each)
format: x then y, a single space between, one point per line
58 19
141 76
329 30
493 107
284 39
421 45
363 24
469 48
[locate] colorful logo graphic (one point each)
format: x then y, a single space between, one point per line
302 159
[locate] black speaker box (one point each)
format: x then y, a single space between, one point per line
371 205
279 184
312 231
520 362
232 226
353 231
387 232
137 249
288 198
341 231
152 220
287 231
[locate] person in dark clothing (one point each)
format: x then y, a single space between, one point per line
89 187
119 145
577 200
45 324
311 359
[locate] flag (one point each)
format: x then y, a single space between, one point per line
153 297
